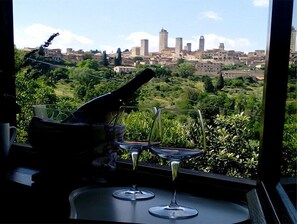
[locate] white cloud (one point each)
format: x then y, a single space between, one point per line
36 34
260 3
212 41
211 15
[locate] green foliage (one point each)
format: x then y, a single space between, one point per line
138 124
208 85
136 128
233 67
185 69
289 150
30 92
238 82
163 72
89 64
229 148
58 74
207 57
229 67
292 91
87 56
104 59
188 98
181 131
86 80
232 115
220 82
180 61
137 58
18 58
293 72
211 105
118 59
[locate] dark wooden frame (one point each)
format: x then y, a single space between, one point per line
268 202
7 64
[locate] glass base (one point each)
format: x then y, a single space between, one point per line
173 212
132 195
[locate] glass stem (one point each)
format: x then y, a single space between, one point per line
174 164
134 187
173 202
134 156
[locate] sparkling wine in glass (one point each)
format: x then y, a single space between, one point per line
137 122
180 134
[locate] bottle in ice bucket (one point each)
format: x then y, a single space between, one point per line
87 135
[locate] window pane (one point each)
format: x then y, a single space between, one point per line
208 55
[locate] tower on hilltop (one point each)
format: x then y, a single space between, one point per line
178 45
144 47
188 47
201 44
163 40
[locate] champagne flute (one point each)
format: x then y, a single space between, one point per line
137 122
180 134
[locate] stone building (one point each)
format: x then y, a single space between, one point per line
208 67
135 51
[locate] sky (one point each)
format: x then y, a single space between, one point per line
111 24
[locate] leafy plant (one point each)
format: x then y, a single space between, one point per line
229 148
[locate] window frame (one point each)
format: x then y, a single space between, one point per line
268 195
269 202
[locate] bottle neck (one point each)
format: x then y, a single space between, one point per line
124 92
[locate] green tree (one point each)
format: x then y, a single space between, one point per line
118 59
188 98
84 80
220 82
89 63
106 73
185 69
163 72
104 59
180 61
208 85
238 82
240 102
88 55
137 58
58 74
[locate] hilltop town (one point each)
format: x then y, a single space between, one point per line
206 61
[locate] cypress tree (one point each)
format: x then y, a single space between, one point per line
104 59
208 86
119 57
220 82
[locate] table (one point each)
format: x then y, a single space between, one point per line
97 204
